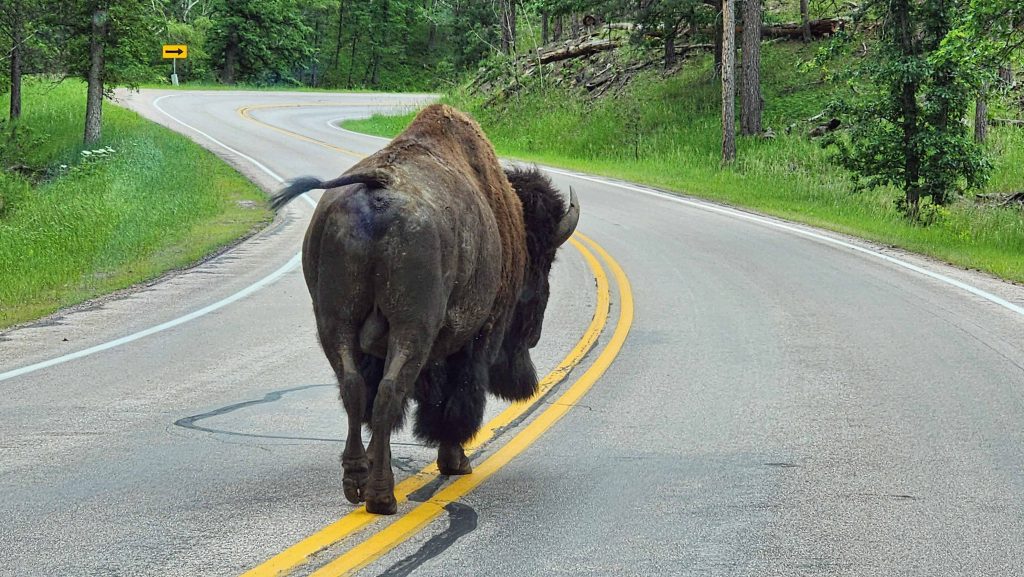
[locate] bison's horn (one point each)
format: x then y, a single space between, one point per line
567 225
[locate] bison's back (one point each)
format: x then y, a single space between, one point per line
444 157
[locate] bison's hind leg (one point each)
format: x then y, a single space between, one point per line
451 397
372 370
354 393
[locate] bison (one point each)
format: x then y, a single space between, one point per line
428 264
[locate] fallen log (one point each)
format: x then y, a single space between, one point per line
1015 198
576 50
795 31
1001 199
1006 122
823 129
683 49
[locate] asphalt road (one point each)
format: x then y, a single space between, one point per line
788 402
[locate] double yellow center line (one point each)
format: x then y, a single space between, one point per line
415 519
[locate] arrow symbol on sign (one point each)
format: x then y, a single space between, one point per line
175 51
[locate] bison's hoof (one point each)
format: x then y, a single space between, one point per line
463 469
452 460
355 488
382 506
357 473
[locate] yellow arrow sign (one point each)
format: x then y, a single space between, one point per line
175 51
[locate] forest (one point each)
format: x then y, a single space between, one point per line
922 65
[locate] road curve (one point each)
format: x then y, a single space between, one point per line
788 402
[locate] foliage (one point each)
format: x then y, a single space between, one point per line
914 89
475 25
15 138
257 40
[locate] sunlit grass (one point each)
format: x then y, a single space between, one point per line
103 221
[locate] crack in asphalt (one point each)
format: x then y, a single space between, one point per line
190 422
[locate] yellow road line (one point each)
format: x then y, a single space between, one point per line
299 553
244 112
389 537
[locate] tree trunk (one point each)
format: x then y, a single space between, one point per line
943 110
805 20
718 49
543 28
351 60
728 81
94 92
558 28
17 34
981 118
375 74
381 42
1006 74
508 26
670 42
751 103
314 68
337 38
908 107
230 58
432 34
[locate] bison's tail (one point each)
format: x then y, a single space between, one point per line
303 184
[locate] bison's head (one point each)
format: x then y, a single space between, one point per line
549 223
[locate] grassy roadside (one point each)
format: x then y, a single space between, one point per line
75 223
666 133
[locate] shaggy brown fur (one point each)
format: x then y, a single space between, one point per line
443 133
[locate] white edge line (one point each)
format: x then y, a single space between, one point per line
810 234
292 263
782 226
161 327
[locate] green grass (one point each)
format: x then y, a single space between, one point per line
667 133
83 228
